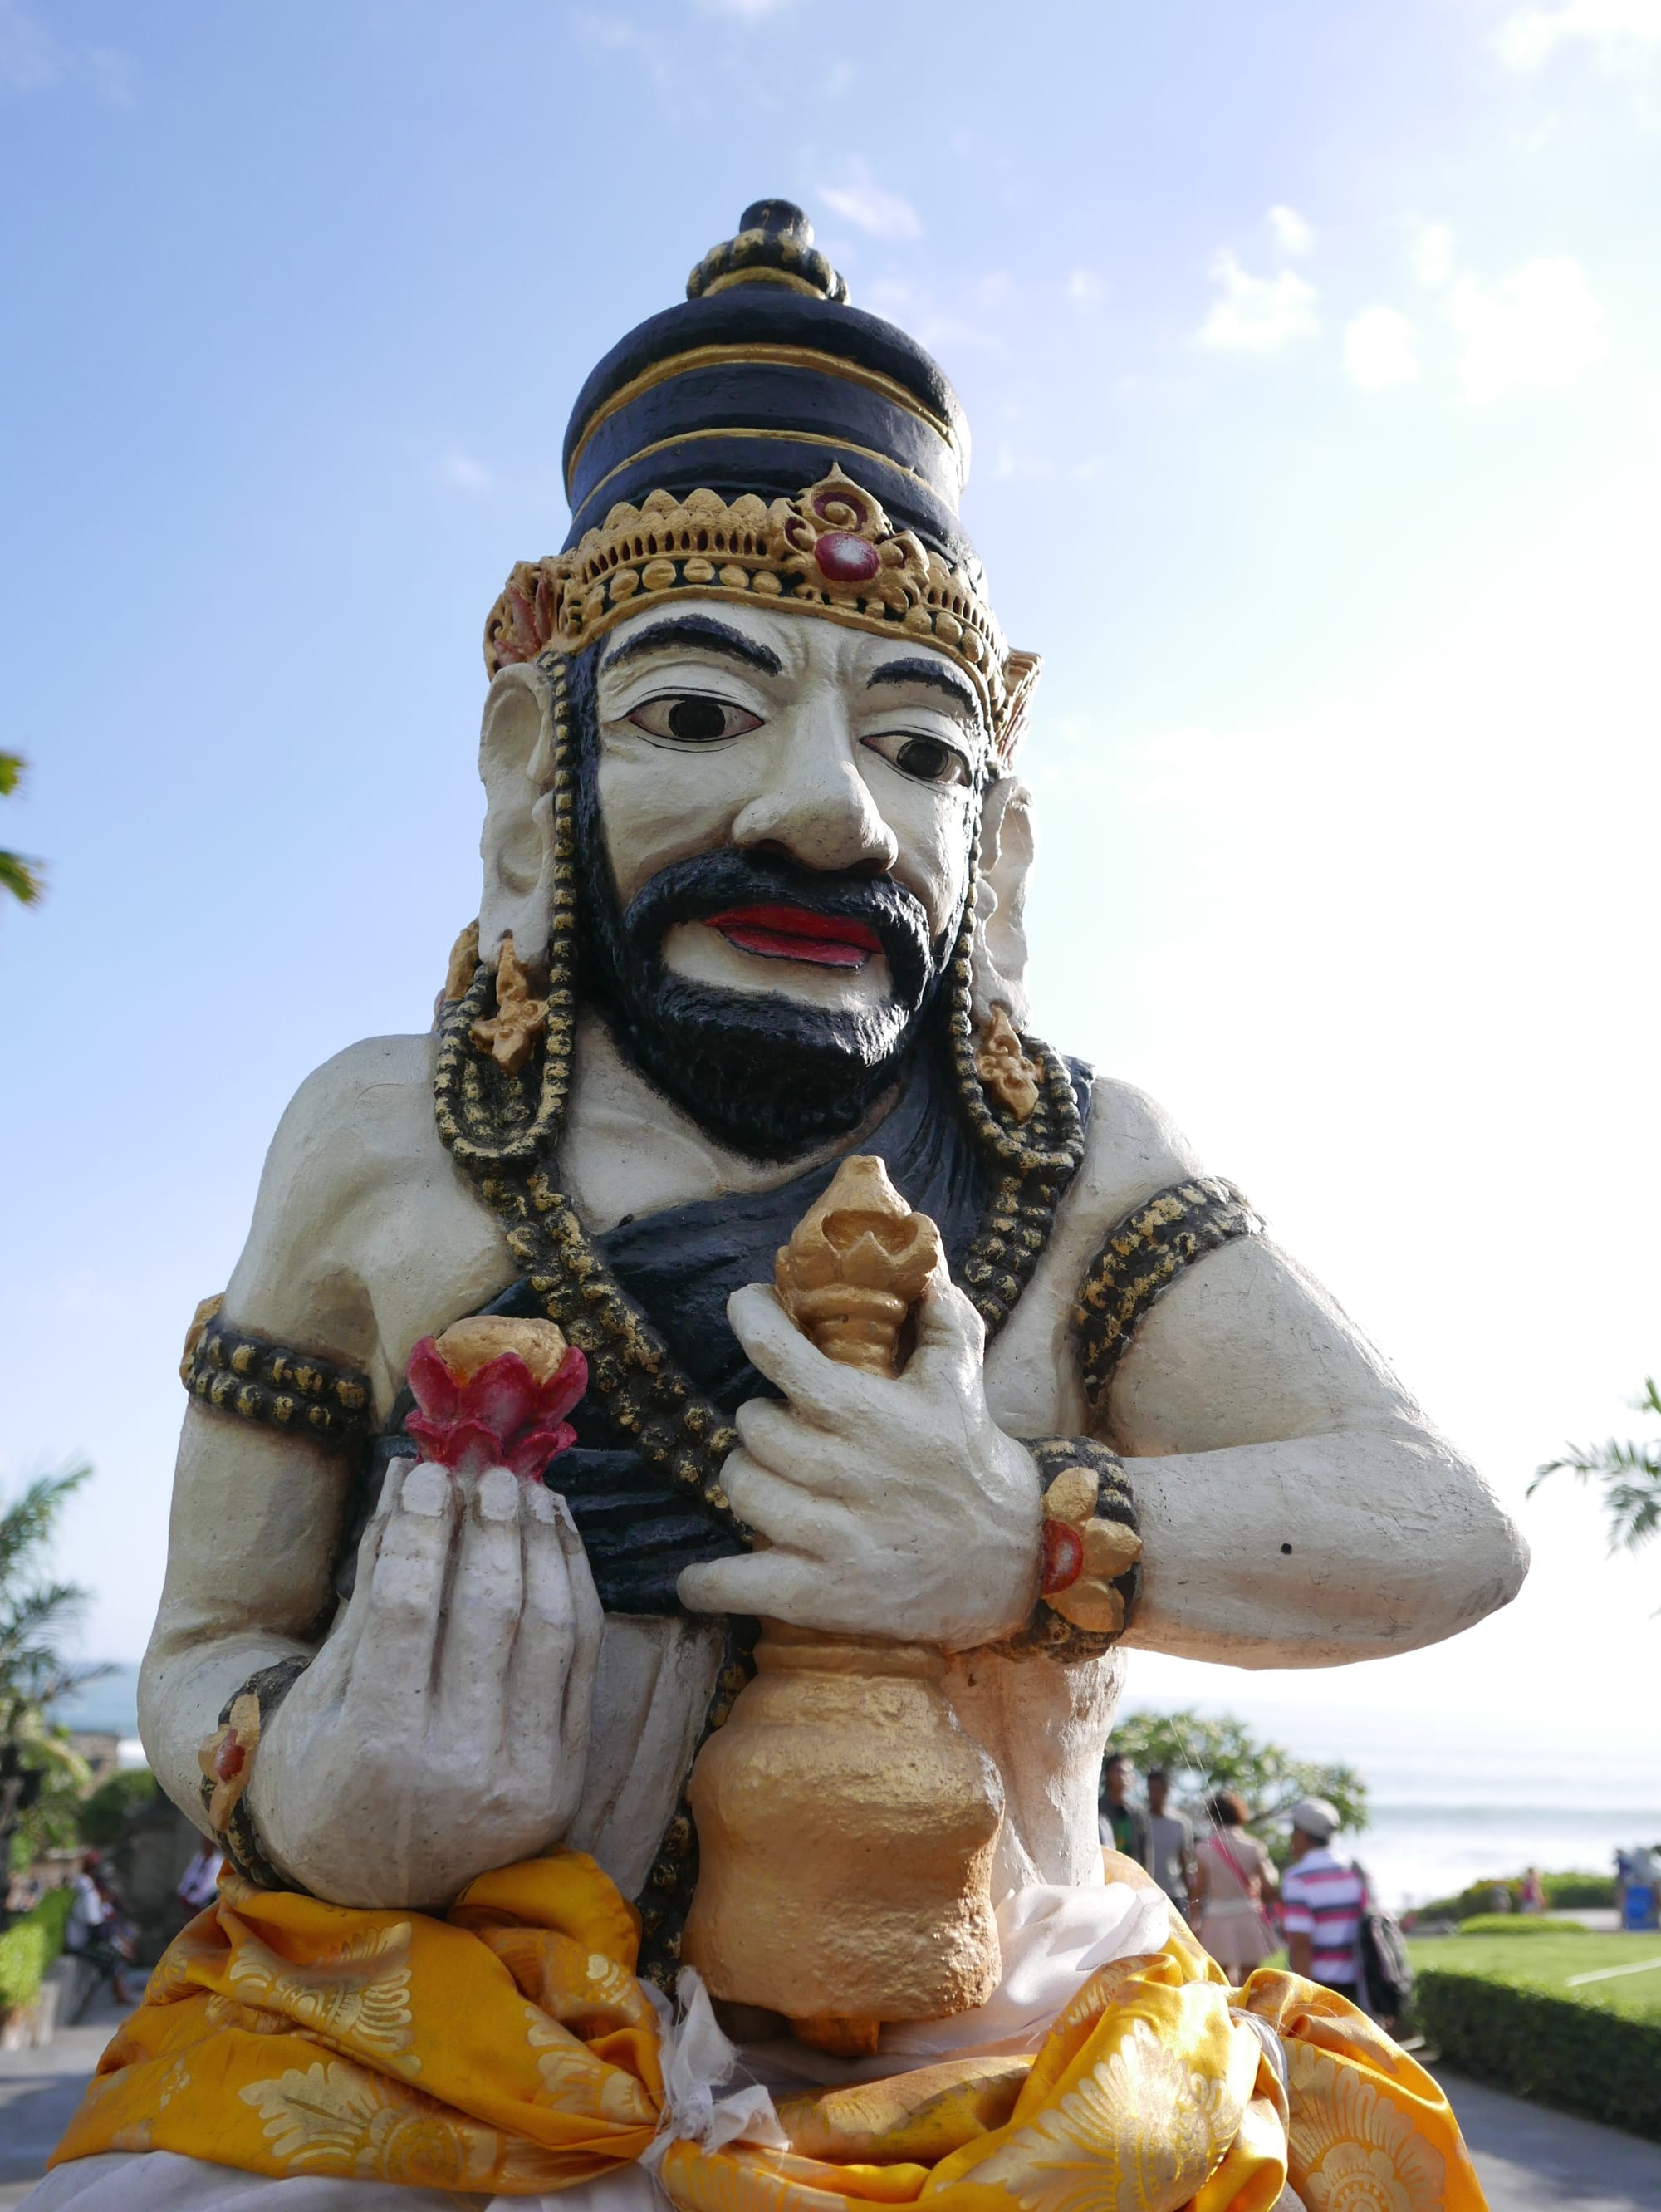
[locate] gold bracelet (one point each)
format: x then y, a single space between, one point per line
1089 1550
227 1761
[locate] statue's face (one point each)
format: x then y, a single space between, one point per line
774 836
734 728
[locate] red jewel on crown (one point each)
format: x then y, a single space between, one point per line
845 559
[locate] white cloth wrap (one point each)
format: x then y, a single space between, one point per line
1052 1939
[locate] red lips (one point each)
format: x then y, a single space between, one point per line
791 933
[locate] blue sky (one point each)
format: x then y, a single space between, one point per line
1313 360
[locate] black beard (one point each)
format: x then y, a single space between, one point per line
758 1071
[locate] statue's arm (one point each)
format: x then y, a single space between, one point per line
441 1725
256 1512
1297 1507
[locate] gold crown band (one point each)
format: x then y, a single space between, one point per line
759 355
831 551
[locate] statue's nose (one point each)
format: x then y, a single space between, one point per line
818 812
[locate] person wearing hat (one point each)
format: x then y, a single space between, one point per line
1322 1901
500 1442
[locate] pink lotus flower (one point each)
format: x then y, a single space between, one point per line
493 1412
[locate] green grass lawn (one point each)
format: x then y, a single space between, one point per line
1545 1961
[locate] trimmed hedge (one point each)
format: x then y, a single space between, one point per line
1565 1892
28 1948
1578 2057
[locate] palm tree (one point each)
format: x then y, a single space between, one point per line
1630 1475
20 877
36 1765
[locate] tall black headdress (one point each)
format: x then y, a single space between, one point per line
765 439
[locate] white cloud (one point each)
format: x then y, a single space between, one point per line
112 75
1257 315
1379 350
1084 288
1540 328
869 207
466 474
1533 34
1289 231
29 55
748 11
1432 254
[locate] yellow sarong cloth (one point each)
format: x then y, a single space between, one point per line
508 2048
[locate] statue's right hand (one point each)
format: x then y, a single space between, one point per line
443 1728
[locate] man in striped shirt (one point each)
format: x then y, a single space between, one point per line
1321 1903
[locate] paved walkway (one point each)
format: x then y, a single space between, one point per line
39 2091
1530 2159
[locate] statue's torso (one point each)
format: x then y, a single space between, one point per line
424 1252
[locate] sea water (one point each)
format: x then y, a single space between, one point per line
1456 1798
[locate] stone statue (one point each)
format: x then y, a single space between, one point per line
501 1440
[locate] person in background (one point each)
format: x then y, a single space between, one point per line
1121 1825
97 1932
1531 1893
1322 1901
1170 1843
1233 1876
199 1883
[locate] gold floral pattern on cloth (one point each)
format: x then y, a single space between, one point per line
1352 2146
282 2036
359 1994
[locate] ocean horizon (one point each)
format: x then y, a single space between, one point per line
1453 1798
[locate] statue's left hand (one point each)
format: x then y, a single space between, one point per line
894 1506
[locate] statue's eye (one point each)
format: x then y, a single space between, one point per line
695 718
926 760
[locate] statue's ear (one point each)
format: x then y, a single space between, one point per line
516 766
1007 844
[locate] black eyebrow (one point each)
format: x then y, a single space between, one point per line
931 671
697 630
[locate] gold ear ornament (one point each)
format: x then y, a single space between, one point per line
1002 1065
463 961
520 1020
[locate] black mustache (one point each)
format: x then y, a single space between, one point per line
709 883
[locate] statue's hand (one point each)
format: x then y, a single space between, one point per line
443 1728
893 1506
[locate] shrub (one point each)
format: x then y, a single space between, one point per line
1513 1924
1578 2056
1570 1892
28 1948
106 1811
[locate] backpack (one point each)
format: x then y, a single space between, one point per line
1386 1974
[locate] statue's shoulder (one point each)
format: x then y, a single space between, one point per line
359 1131
367 1114
1132 1149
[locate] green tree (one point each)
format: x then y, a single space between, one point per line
103 1814
1629 1475
1202 1755
20 878
41 1775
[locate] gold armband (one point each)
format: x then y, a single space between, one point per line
1142 1258
264 1383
